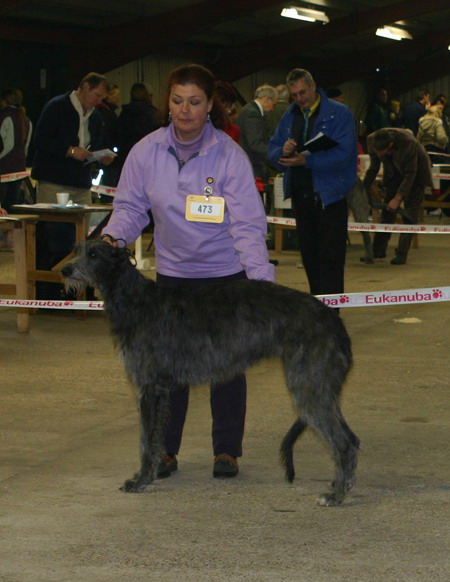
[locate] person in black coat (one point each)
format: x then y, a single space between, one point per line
15 131
254 137
69 129
415 110
108 112
137 119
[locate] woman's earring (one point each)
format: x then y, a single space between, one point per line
208 119
169 118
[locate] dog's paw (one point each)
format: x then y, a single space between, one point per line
134 486
328 500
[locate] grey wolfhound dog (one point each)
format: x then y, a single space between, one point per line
359 203
174 338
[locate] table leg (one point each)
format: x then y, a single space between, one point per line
278 233
20 261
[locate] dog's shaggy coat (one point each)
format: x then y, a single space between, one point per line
171 338
358 202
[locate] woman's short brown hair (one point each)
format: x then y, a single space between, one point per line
193 74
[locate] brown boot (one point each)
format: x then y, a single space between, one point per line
167 466
225 466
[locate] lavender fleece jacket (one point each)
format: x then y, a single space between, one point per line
152 179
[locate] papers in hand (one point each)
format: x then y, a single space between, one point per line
98 155
318 143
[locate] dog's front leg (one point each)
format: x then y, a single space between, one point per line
153 415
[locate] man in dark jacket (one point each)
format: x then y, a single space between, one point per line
136 120
108 112
15 130
406 174
68 131
378 114
415 110
252 122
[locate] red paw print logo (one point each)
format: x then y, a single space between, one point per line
344 299
437 294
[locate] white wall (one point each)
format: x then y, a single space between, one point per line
149 70
441 85
153 71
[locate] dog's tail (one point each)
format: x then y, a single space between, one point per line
286 449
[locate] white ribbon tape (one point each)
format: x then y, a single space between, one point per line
441 176
370 299
410 228
375 227
109 190
384 298
14 176
51 304
438 154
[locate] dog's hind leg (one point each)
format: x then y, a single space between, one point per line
286 449
368 257
153 407
344 445
314 376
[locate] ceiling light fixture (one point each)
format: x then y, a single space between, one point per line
393 33
305 14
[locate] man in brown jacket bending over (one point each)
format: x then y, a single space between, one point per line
406 174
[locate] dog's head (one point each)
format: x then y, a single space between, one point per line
96 264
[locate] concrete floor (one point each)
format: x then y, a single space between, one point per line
70 439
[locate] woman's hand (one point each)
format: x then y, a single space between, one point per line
109 239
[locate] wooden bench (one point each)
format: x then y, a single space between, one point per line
23 227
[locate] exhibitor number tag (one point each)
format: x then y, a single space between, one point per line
205 208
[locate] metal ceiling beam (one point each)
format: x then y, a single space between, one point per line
125 43
8 5
41 35
108 49
145 35
396 64
426 70
276 49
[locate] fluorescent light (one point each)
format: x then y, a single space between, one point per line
304 14
393 33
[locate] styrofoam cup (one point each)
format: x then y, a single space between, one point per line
62 198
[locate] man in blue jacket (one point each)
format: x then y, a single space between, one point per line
317 179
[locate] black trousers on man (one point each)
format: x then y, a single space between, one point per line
410 214
322 237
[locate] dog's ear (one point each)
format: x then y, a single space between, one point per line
78 247
121 254
125 256
116 252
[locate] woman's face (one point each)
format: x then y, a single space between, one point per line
189 108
